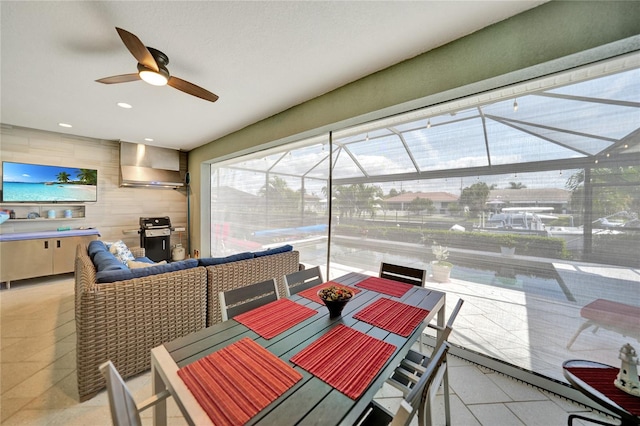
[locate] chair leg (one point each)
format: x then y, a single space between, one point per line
445 390
583 327
159 409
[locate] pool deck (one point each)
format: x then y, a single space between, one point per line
527 330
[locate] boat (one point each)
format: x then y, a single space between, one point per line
612 224
519 219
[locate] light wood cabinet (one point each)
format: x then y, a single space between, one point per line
25 259
30 258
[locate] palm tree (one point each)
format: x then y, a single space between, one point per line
63 177
516 185
88 176
280 195
357 199
344 200
615 193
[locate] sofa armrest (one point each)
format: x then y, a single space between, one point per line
122 321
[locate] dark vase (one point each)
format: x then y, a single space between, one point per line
335 307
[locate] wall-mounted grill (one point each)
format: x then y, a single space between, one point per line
155 237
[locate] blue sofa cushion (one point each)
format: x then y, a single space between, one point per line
127 274
274 250
144 259
210 261
105 261
96 246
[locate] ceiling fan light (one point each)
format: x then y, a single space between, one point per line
156 78
153 77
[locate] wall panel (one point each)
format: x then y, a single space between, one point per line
117 209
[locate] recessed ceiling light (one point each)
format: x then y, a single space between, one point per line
124 105
148 139
64 125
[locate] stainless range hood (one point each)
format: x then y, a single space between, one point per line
145 166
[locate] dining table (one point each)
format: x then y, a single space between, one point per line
333 366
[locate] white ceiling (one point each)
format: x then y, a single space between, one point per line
259 57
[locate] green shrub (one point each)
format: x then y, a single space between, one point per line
527 245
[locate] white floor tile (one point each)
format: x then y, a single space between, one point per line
494 414
38 379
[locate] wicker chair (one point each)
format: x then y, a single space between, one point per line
122 321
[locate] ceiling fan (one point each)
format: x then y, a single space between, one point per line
152 68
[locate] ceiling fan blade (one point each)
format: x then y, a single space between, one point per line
137 49
124 78
191 89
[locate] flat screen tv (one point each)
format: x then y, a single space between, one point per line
39 183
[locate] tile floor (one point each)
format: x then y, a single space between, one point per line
38 379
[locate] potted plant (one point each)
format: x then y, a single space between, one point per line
335 298
440 268
507 245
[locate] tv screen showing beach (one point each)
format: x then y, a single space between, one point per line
41 183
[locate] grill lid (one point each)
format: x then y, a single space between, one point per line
155 222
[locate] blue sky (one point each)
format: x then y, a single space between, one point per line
19 172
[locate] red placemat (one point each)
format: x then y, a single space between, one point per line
235 383
383 285
275 317
602 379
346 359
393 316
312 293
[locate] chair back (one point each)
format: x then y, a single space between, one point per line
423 393
403 274
406 375
124 411
237 301
299 281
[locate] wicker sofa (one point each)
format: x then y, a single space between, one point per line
232 275
123 320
